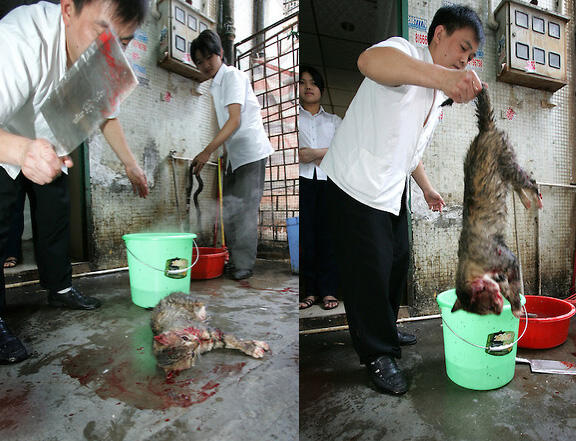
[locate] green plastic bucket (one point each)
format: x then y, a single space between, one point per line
484 366
157 265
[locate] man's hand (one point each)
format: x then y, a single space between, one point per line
200 160
434 200
461 86
138 180
40 163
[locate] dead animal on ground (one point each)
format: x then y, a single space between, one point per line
487 269
181 334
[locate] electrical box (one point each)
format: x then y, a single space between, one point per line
180 23
531 46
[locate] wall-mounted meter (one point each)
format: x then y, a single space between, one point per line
531 46
180 23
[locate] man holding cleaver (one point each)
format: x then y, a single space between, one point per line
39 43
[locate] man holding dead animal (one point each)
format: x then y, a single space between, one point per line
377 148
39 43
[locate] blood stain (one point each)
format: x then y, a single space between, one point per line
140 384
14 407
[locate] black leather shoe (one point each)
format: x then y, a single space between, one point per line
386 376
73 299
241 274
11 348
406 339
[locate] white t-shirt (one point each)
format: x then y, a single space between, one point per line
315 131
32 61
249 143
382 137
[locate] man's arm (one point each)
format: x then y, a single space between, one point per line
112 131
433 198
36 157
229 127
392 67
308 154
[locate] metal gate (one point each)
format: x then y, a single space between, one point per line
270 57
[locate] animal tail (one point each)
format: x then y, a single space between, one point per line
484 111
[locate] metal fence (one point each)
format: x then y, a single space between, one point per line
270 58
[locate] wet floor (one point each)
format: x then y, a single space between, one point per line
92 375
338 403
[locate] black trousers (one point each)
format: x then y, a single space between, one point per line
14 244
372 259
318 272
50 212
243 189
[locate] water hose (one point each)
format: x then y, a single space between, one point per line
176 192
220 201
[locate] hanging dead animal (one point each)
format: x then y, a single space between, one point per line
181 335
487 269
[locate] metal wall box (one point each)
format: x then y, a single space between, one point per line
180 23
531 46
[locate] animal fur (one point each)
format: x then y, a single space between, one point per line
181 334
487 269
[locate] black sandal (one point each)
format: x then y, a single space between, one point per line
307 302
327 301
10 262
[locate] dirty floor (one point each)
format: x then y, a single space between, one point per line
92 375
337 401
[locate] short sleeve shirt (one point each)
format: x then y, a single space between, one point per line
383 136
32 61
249 143
315 131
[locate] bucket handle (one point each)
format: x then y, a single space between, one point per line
493 348
169 271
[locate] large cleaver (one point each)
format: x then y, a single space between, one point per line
90 92
549 366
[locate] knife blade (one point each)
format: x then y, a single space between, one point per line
88 93
549 366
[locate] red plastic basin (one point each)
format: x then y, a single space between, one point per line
210 263
550 326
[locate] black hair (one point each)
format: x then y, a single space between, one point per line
208 43
457 17
316 76
127 11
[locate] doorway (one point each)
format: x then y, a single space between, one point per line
333 34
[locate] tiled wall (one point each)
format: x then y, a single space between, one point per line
166 112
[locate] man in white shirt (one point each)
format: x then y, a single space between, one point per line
247 147
316 128
378 146
39 43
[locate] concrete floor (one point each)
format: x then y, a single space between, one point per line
337 401
92 375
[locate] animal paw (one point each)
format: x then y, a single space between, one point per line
256 348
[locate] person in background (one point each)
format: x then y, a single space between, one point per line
377 148
247 150
316 127
56 35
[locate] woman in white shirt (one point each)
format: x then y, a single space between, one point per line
247 148
316 128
